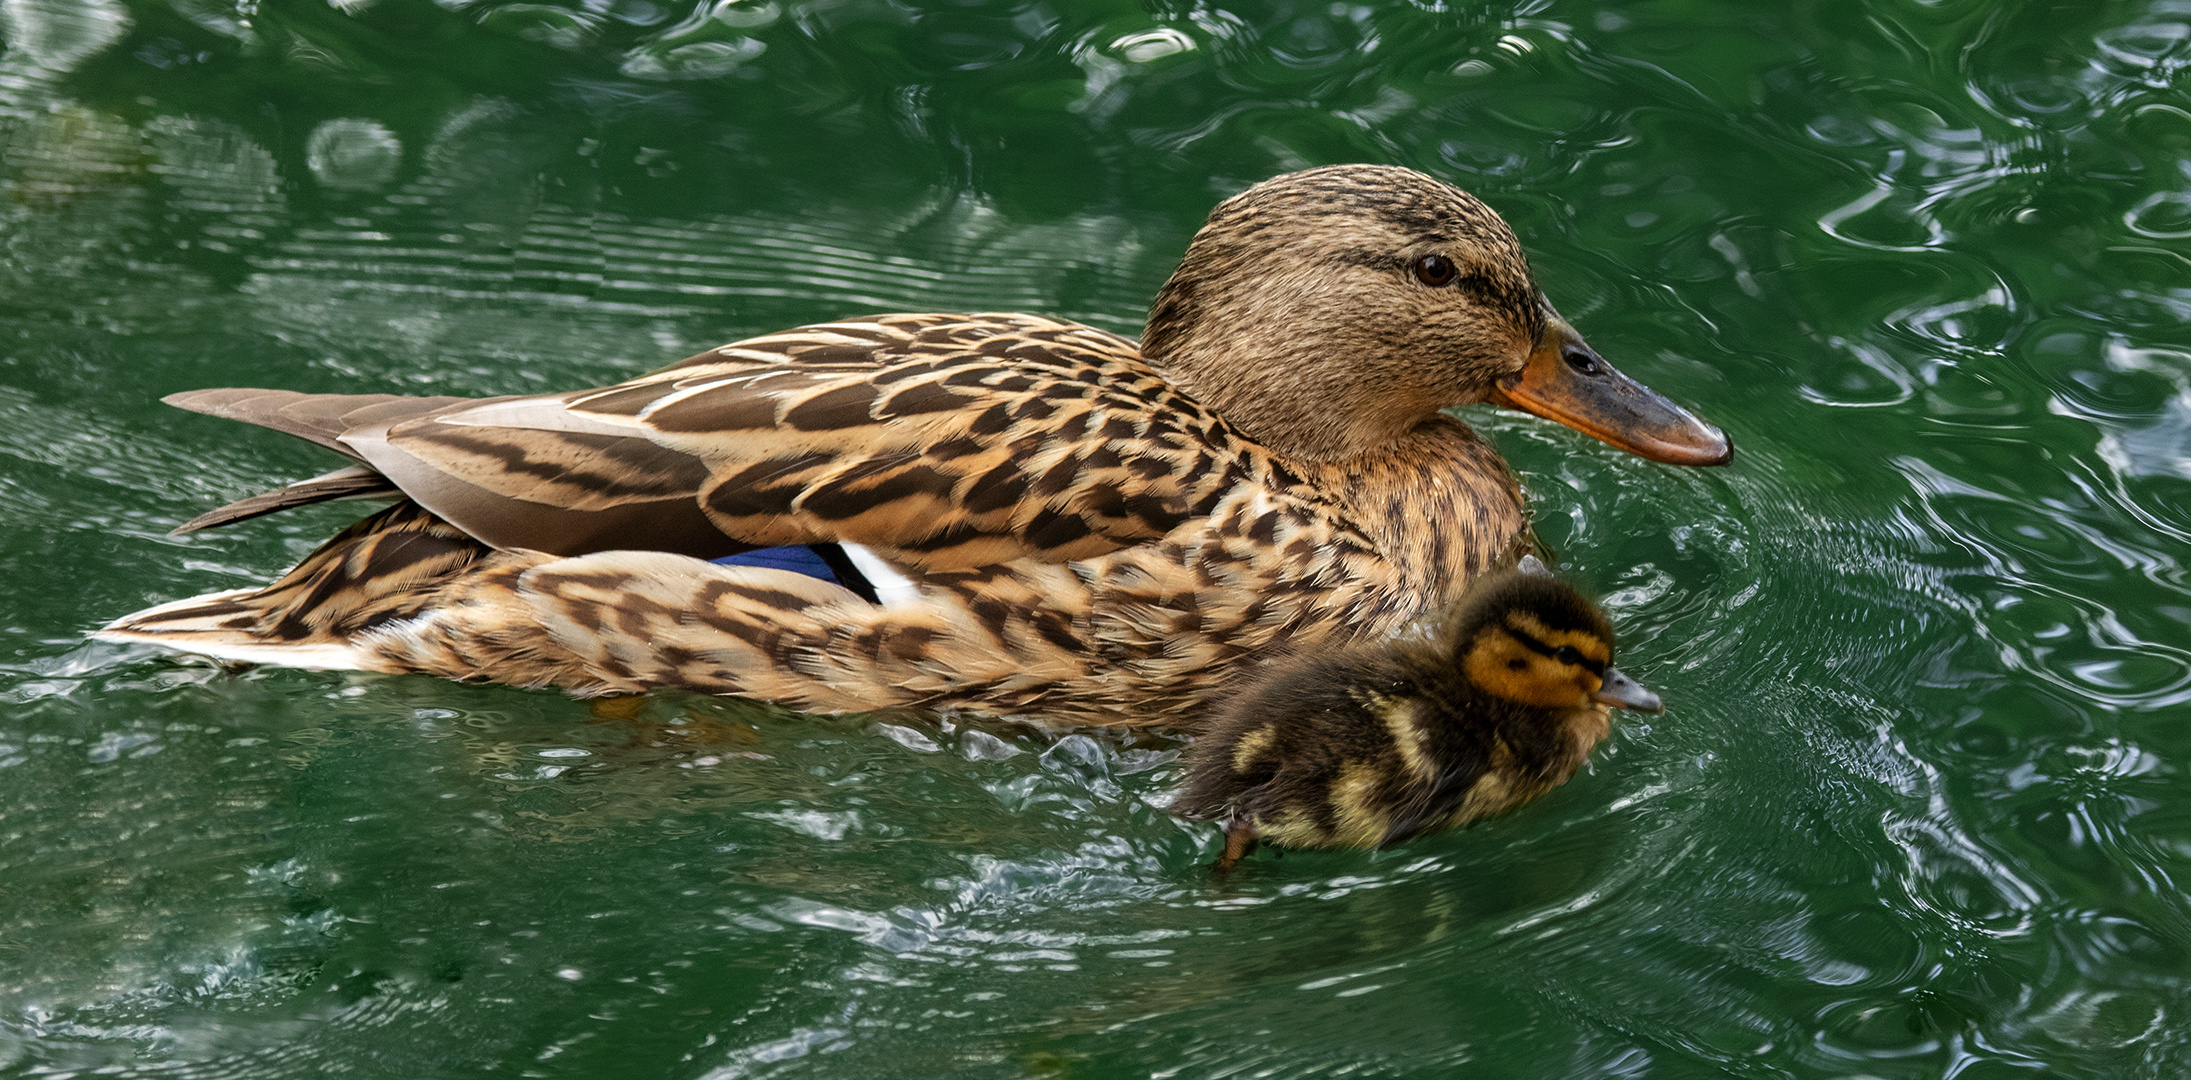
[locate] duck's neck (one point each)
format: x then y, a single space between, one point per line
1304 412
1438 502
1315 392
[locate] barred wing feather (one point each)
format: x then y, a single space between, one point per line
947 441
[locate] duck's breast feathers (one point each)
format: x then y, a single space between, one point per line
946 441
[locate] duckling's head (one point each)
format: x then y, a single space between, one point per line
1532 639
1329 313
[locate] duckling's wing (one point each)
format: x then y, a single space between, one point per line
1434 808
947 441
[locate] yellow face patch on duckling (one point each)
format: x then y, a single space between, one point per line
1519 658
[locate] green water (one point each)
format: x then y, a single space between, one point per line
1918 806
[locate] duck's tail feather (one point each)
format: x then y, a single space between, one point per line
318 418
355 482
383 568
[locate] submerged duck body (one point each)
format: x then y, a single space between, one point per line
1372 745
1057 521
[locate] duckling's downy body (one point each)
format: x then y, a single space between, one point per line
1368 746
1053 520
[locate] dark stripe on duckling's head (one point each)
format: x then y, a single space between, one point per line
1531 639
1564 654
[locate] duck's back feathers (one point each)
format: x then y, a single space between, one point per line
950 442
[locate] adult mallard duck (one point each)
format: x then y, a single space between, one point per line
1034 517
1375 744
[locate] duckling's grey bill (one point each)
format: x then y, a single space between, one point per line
1623 692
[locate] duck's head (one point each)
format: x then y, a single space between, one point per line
1330 312
1532 639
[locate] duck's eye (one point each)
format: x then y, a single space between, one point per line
1435 270
1583 361
1566 654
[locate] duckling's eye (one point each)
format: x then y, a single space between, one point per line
1517 664
1566 654
1435 270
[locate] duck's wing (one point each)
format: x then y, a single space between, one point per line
643 491
948 441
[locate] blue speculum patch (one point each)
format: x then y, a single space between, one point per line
800 559
825 561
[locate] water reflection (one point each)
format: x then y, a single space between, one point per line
353 153
55 36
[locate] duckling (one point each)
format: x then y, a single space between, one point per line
1369 746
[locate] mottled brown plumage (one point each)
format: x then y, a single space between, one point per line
1366 746
1087 529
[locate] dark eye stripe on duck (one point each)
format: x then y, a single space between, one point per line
1565 654
1524 298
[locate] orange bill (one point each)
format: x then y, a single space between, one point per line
1568 382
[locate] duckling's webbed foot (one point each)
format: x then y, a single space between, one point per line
1239 844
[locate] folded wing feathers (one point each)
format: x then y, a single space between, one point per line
575 470
971 445
355 482
947 441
